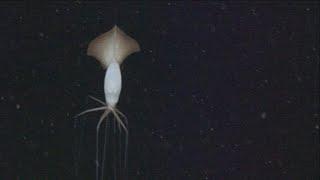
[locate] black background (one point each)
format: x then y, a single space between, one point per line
218 91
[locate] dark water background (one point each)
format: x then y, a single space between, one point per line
219 90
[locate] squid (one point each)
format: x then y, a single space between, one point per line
111 49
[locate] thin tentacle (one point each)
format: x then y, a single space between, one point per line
91 110
126 139
103 116
104 150
120 149
119 140
121 114
114 150
119 127
98 100
119 119
120 144
126 136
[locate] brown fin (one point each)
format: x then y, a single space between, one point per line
112 45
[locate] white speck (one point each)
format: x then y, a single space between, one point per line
212 28
253 12
307 9
249 141
203 51
317 126
51 124
180 148
299 79
41 34
211 129
18 106
2 98
223 6
169 3
263 115
57 10
46 154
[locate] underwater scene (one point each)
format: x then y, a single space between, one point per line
163 90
